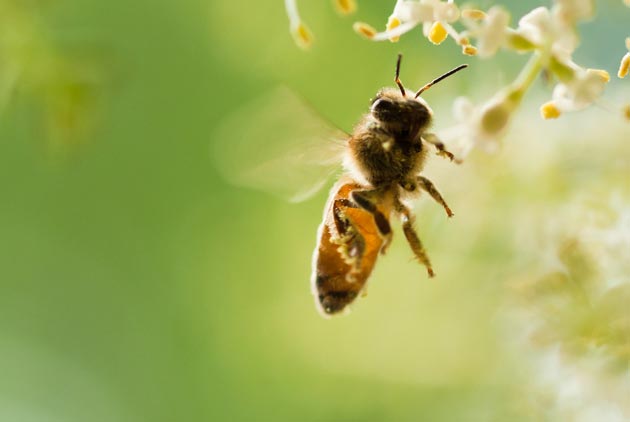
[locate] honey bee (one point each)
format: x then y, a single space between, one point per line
276 144
383 160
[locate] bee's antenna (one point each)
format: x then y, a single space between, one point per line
436 80
397 79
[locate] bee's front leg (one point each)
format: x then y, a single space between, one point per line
439 145
428 186
365 199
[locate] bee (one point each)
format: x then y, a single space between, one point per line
383 161
278 144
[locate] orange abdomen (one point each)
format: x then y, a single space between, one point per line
348 245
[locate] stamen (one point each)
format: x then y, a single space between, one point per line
302 36
601 73
437 34
365 30
549 111
292 11
452 32
624 66
300 32
392 23
345 7
469 50
396 32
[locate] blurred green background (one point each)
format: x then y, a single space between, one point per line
136 284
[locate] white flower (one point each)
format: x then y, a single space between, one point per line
409 14
583 90
491 32
550 35
468 132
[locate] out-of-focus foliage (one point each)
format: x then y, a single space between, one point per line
136 284
65 88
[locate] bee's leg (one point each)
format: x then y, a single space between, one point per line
428 186
342 224
439 145
412 237
352 243
365 200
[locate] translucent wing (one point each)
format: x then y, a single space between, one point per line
278 144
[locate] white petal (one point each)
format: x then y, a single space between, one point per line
445 12
493 32
536 26
584 90
413 11
463 109
571 11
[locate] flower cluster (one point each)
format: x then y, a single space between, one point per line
548 34
574 318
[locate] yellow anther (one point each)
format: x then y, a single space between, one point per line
469 50
473 14
392 23
438 33
624 67
364 29
601 73
549 111
302 35
626 112
464 41
345 7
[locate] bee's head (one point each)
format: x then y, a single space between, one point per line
393 110
403 111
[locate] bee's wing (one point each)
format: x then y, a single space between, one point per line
278 144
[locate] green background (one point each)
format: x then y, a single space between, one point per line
136 284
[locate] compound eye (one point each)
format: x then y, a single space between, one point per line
382 105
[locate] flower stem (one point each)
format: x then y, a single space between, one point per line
529 73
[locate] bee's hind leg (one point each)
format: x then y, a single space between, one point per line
352 243
412 237
365 200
